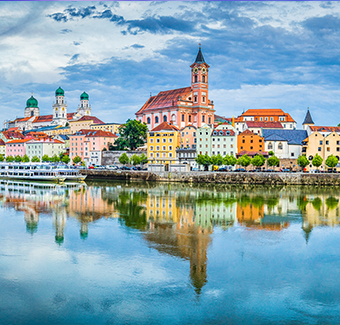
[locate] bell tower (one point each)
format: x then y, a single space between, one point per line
60 108
199 80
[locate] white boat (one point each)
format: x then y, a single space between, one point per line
38 171
70 173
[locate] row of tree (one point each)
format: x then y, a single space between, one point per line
134 160
45 158
317 161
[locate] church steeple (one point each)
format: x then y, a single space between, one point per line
199 57
308 120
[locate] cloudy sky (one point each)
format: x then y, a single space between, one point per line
261 55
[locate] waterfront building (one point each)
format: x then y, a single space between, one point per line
258 127
11 135
16 147
249 141
264 115
2 148
188 137
84 123
83 142
183 106
44 146
110 127
162 142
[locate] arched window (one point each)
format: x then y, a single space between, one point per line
156 119
195 78
221 132
215 133
270 146
32 113
280 146
203 78
148 120
164 118
182 117
173 117
203 118
209 120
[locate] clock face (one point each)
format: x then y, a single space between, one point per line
204 70
196 70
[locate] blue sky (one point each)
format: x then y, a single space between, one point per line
261 55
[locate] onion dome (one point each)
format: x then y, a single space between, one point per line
84 96
32 102
59 92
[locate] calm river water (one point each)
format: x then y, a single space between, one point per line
136 253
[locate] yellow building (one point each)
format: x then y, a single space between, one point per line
161 144
84 123
324 141
111 127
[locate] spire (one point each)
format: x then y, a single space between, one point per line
308 118
199 57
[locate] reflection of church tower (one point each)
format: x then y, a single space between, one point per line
60 108
84 108
32 108
31 219
59 221
84 230
307 229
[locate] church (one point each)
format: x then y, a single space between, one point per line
183 106
60 117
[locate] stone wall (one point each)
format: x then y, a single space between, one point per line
112 157
219 177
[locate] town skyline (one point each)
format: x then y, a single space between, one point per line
261 55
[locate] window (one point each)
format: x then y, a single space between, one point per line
156 119
170 140
266 118
270 146
158 140
170 147
164 148
209 120
292 154
157 148
203 78
164 139
164 118
151 140
320 142
261 118
271 119
319 149
327 142
280 146
195 78
189 118
203 118
182 117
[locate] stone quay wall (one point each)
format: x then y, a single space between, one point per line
217 177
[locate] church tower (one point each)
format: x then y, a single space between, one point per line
308 120
60 108
32 108
199 80
84 108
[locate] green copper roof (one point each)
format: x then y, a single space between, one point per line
84 96
32 102
59 92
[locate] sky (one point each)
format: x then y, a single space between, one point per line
261 55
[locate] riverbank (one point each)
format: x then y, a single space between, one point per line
217 177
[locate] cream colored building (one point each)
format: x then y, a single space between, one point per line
41 147
111 127
83 123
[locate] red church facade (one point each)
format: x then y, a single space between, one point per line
183 106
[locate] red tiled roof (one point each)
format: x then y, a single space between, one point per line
251 153
45 140
12 129
192 126
43 118
165 126
13 135
265 112
325 128
264 125
94 133
18 141
167 98
247 132
94 119
2 142
223 132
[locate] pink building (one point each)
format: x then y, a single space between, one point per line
83 142
16 147
183 106
188 137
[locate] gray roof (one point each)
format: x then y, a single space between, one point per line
291 136
308 118
199 57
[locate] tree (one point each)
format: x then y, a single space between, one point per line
273 161
124 159
132 135
55 159
76 160
331 161
302 161
258 161
66 159
2 158
136 159
244 161
217 160
229 160
317 161
203 160
25 158
45 158
143 158
9 158
17 158
35 159
271 153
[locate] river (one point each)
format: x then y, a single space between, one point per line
154 253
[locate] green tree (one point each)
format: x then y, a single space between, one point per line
55 159
66 159
136 159
124 159
273 161
2 158
302 161
331 202
76 160
229 160
317 203
331 161
244 161
25 158
258 161
271 153
143 158
132 135
9 158
35 159
45 158
203 160
217 160
18 158
317 161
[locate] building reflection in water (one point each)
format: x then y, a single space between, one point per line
175 219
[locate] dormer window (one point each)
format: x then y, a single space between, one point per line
215 133
221 132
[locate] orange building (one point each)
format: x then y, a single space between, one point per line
183 106
249 141
265 115
188 137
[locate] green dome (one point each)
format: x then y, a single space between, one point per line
32 102
59 92
84 96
